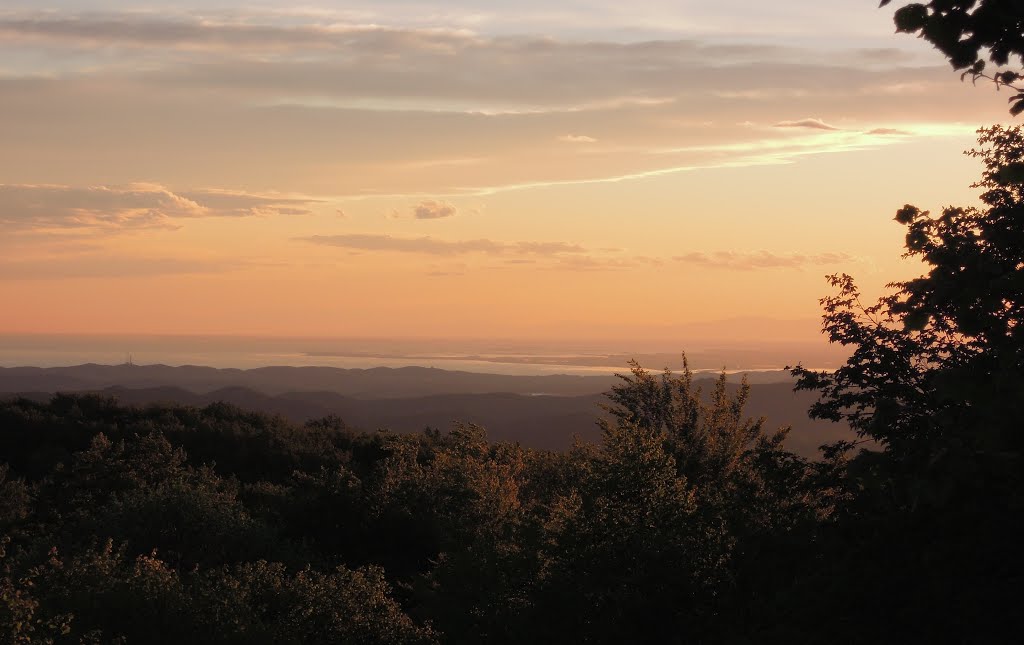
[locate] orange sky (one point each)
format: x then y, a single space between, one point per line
387 170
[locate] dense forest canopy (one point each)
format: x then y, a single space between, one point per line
173 524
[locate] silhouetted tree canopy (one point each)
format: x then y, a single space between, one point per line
938 364
176 524
972 33
936 379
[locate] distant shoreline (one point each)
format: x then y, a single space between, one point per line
609 362
456 380
470 355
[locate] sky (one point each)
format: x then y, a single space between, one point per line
457 169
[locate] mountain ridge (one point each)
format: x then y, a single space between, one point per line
403 400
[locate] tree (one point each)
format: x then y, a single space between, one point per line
926 543
965 30
737 467
710 442
664 526
937 367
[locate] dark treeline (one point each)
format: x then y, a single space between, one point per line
178 524
687 522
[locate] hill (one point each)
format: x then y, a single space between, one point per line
537 411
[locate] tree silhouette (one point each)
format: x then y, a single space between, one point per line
938 364
936 378
965 30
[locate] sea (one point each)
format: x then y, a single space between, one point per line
514 357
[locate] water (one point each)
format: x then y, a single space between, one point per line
486 356
245 353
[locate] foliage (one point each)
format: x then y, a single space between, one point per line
936 380
966 30
176 524
938 364
20 619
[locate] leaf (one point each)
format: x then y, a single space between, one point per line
910 18
1018 107
907 214
963 55
916 240
916 320
883 3
1011 173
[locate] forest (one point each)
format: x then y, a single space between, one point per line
687 522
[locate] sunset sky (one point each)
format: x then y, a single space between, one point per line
503 169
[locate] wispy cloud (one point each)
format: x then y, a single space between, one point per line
349 65
439 273
886 55
433 246
813 124
888 132
211 34
360 111
132 206
566 256
576 138
747 261
603 263
110 267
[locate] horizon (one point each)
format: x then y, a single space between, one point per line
494 356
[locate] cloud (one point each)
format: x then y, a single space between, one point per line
563 256
570 257
741 261
603 263
107 267
548 248
885 55
576 138
349 64
206 35
431 209
813 124
367 112
132 206
888 132
441 274
434 246
224 203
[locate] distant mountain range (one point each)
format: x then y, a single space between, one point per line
537 411
375 383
